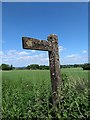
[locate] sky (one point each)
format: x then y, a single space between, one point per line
38 20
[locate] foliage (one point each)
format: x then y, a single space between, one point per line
43 67
33 66
6 67
71 66
86 66
36 66
27 95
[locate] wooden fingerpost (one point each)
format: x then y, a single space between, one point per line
52 47
54 66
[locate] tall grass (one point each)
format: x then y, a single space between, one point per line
27 95
0 94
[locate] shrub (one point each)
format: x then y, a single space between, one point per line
86 66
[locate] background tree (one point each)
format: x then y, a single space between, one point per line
6 67
43 67
33 66
86 66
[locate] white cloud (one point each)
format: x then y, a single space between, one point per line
23 58
84 51
23 53
45 59
33 51
1 53
61 48
72 56
74 59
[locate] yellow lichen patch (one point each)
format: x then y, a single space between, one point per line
29 43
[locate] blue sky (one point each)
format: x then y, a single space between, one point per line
38 20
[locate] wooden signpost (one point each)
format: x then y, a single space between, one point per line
51 45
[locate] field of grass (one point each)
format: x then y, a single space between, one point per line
26 95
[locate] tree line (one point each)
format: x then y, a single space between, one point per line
6 67
36 66
29 67
85 66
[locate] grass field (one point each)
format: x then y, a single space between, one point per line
26 95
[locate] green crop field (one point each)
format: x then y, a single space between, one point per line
26 95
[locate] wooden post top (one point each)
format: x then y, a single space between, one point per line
52 38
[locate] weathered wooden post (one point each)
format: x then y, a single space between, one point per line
52 47
54 66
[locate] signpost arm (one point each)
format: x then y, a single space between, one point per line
35 44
